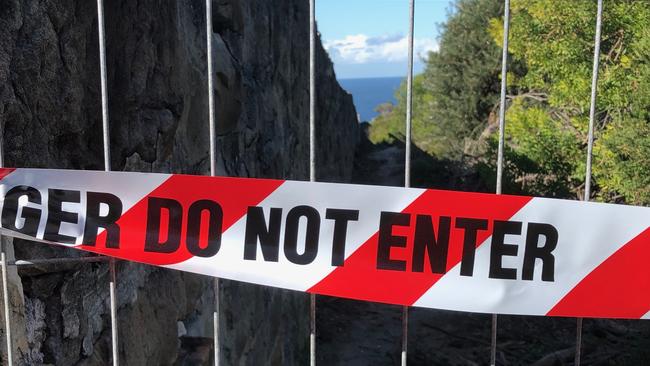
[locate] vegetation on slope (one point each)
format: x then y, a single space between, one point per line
549 83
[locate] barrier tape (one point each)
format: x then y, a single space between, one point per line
415 247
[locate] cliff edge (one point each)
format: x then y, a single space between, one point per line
50 117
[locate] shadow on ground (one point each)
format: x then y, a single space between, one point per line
356 333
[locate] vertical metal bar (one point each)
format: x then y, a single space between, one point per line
107 167
213 164
405 332
502 104
5 284
493 340
5 298
312 330
407 158
215 319
502 125
213 128
312 158
113 296
102 70
312 90
592 108
578 354
409 96
5 280
590 146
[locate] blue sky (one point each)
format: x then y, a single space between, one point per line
367 38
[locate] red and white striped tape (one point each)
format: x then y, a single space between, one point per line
415 247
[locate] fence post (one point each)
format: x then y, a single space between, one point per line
502 125
312 158
107 167
5 284
407 158
5 296
213 163
590 146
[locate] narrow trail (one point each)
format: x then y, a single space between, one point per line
356 333
382 165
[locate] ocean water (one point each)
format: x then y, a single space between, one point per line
371 92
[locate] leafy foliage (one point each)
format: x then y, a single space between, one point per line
549 85
556 44
458 90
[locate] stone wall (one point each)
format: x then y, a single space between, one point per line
50 116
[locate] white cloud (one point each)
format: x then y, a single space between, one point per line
361 49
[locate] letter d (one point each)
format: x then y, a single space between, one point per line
174 225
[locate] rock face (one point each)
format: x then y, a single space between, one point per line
50 116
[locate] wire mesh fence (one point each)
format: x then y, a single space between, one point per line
313 138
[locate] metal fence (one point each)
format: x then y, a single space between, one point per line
4 263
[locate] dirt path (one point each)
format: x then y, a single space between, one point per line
355 333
